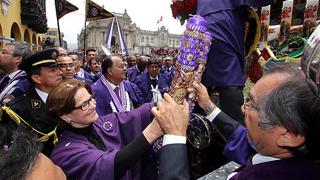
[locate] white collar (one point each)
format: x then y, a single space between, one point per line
258 158
13 74
152 78
94 74
112 85
80 73
138 69
42 95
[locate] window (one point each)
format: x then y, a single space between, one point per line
142 39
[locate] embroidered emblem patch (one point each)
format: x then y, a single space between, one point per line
107 126
35 104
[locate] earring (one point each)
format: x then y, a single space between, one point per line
68 121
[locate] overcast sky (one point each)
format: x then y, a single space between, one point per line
145 13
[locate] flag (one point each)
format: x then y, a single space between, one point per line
160 19
96 12
63 7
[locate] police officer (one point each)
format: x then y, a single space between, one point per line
44 75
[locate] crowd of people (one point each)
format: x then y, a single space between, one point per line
90 130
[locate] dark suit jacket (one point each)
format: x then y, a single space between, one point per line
173 161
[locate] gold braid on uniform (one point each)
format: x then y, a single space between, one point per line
17 119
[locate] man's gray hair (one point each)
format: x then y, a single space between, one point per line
294 106
21 49
290 68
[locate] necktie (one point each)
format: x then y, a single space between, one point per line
4 82
116 91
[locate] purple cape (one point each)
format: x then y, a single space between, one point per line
81 160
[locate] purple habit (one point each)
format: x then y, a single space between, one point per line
81 160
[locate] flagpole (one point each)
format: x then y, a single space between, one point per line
59 34
85 27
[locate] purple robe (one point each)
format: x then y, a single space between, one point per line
20 87
85 80
81 160
103 97
133 73
290 168
226 25
169 73
238 148
144 84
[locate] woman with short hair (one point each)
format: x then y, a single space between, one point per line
106 147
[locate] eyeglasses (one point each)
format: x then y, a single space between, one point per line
248 103
85 105
62 65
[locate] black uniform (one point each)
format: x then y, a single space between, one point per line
32 109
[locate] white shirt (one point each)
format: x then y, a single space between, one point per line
80 73
42 95
257 159
112 85
13 74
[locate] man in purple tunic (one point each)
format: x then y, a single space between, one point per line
152 83
138 69
14 83
113 92
224 72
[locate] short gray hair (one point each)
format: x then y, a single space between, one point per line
21 49
290 68
294 106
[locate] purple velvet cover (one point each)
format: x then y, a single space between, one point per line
192 58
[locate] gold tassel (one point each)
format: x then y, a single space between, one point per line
17 119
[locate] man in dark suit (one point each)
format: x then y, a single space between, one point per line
43 74
173 120
270 145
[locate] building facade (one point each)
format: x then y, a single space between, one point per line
52 36
22 20
137 40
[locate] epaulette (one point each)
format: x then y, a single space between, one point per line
16 100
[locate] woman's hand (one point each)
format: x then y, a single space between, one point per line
172 117
152 131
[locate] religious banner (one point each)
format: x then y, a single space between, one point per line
310 17
96 12
286 17
265 20
63 7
